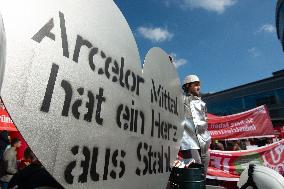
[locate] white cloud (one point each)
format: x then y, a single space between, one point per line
218 6
178 62
254 52
267 28
167 3
155 34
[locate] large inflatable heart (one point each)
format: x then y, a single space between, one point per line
74 87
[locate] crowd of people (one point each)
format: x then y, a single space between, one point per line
25 173
243 144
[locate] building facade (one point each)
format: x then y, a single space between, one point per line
279 20
269 91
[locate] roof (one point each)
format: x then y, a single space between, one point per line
276 75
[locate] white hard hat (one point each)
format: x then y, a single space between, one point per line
190 79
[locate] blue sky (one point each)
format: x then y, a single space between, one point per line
226 43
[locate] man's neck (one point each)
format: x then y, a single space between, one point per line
190 94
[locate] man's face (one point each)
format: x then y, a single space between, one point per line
18 144
194 88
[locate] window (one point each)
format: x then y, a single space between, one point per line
277 113
267 98
226 107
280 95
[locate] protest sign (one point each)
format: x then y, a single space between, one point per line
228 165
249 124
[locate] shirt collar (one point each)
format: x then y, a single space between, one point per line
193 97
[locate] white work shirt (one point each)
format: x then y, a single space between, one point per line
195 134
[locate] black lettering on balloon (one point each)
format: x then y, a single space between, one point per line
128 80
63 35
153 123
115 69
127 74
175 133
92 53
142 121
114 162
153 159
154 92
126 117
45 31
136 121
79 43
68 96
163 99
154 164
49 89
100 99
93 172
107 62
158 124
116 157
134 82
122 165
77 104
150 154
139 80
90 106
168 160
131 115
145 160
160 161
69 178
103 55
85 165
161 128
121 72
67 87
118 113
138 152
100 71
107 156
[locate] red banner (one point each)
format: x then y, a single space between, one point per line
252 123
6 122
228 165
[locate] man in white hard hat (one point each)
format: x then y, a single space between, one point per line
196 138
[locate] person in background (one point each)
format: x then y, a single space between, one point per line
28 158
219 145
236 146
33 175
243 145
4 142
10 157
196 138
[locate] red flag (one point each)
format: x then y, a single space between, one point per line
228 165
249 124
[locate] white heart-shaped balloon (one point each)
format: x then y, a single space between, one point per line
74 88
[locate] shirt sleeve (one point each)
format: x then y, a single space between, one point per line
12 162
